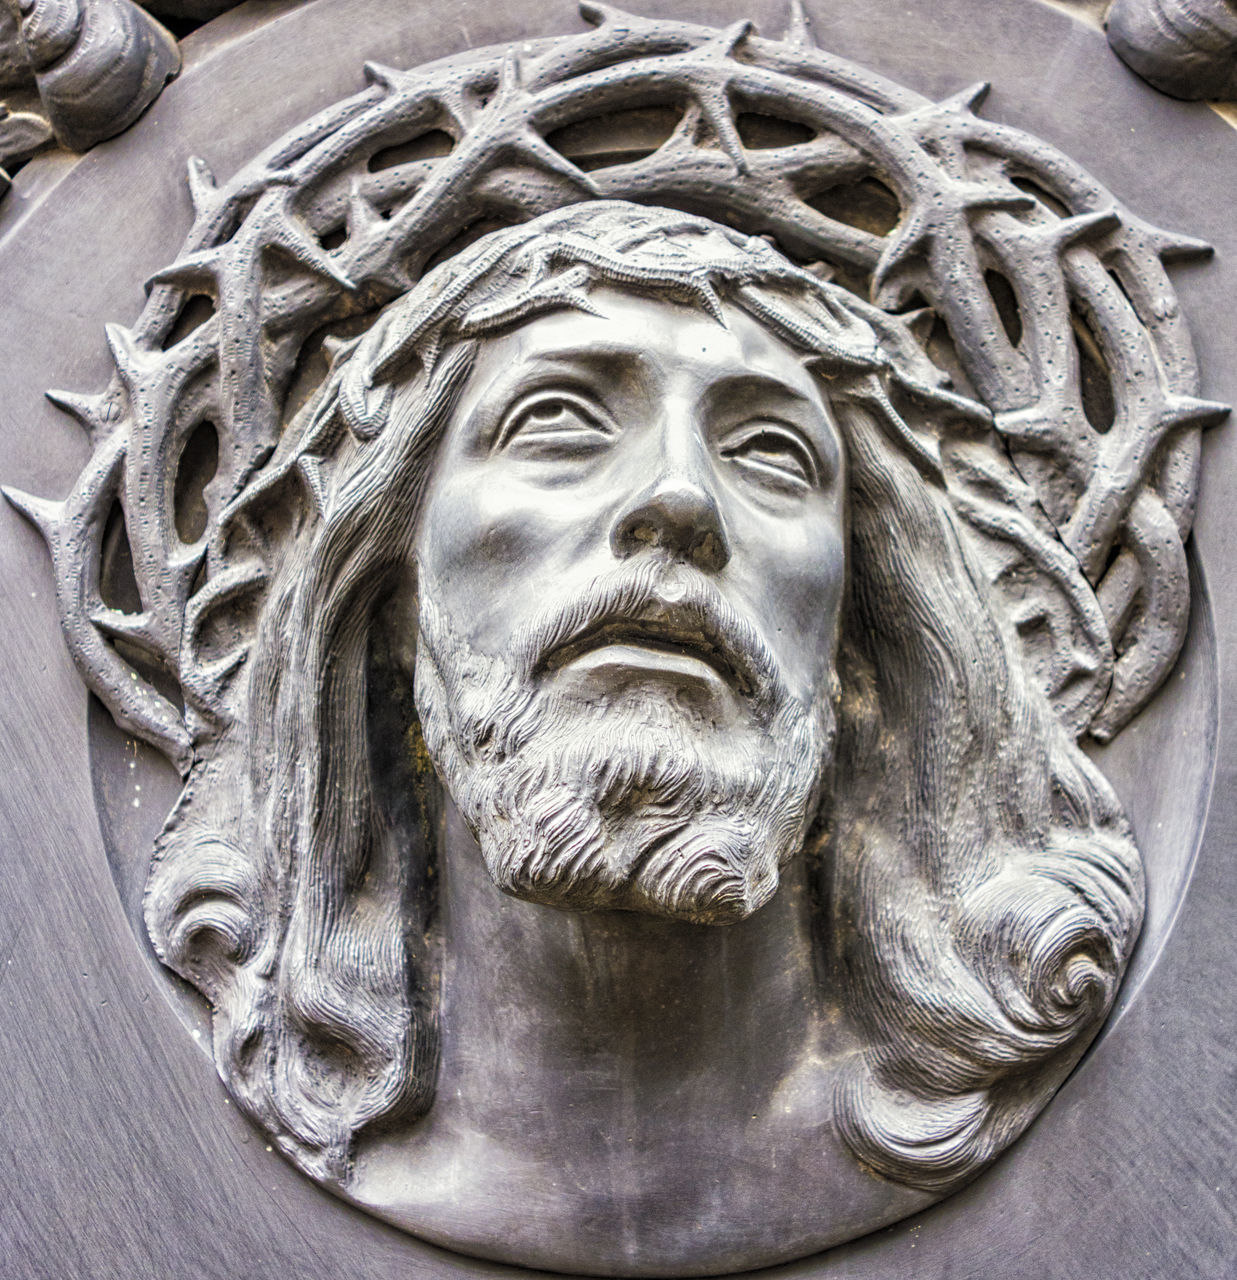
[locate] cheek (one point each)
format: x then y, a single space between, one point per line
816 590
800 587
493 553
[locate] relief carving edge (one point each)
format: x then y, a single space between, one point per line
1075 531
1185 48
96 64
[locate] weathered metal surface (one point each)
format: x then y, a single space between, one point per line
1184 47
1161 766
97 64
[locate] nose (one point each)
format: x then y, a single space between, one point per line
677 510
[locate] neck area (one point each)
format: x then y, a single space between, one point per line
624 1095
617 1027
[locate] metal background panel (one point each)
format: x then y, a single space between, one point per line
124 1156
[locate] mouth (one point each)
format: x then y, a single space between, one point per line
660 636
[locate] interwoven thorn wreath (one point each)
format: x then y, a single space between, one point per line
1034 286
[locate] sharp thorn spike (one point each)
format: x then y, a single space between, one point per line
45 515
297 244
580 301
1175 248
536 148
184 568
89 411
904 242
734 35
1085 225
1212 412
120 340
192 270
202 188
598 15
125 354
135 627
712 303
1187 410
974 96
799 27
388 78
716 112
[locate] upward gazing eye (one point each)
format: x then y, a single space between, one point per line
553 424
773 455
548 413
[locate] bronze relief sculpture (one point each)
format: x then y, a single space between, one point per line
737 486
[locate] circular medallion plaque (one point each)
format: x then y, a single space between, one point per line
863 184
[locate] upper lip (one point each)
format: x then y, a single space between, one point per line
668 630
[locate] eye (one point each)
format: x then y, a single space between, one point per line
553 424
773 454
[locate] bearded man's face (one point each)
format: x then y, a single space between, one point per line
629 573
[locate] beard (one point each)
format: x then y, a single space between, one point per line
639 801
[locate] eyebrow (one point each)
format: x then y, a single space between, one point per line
750 381
826 441
594 355
602 355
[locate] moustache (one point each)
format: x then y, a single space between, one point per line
656 602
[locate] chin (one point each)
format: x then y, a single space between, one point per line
641 802
710 871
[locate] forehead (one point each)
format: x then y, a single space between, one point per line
653 336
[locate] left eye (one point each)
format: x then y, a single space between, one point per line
557 424
774 455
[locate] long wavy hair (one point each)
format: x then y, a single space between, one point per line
980 888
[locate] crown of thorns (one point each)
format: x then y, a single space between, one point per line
1009 261
555 260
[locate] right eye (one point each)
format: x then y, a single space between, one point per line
553 425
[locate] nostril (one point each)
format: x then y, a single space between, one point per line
632 534
680 519
710 552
